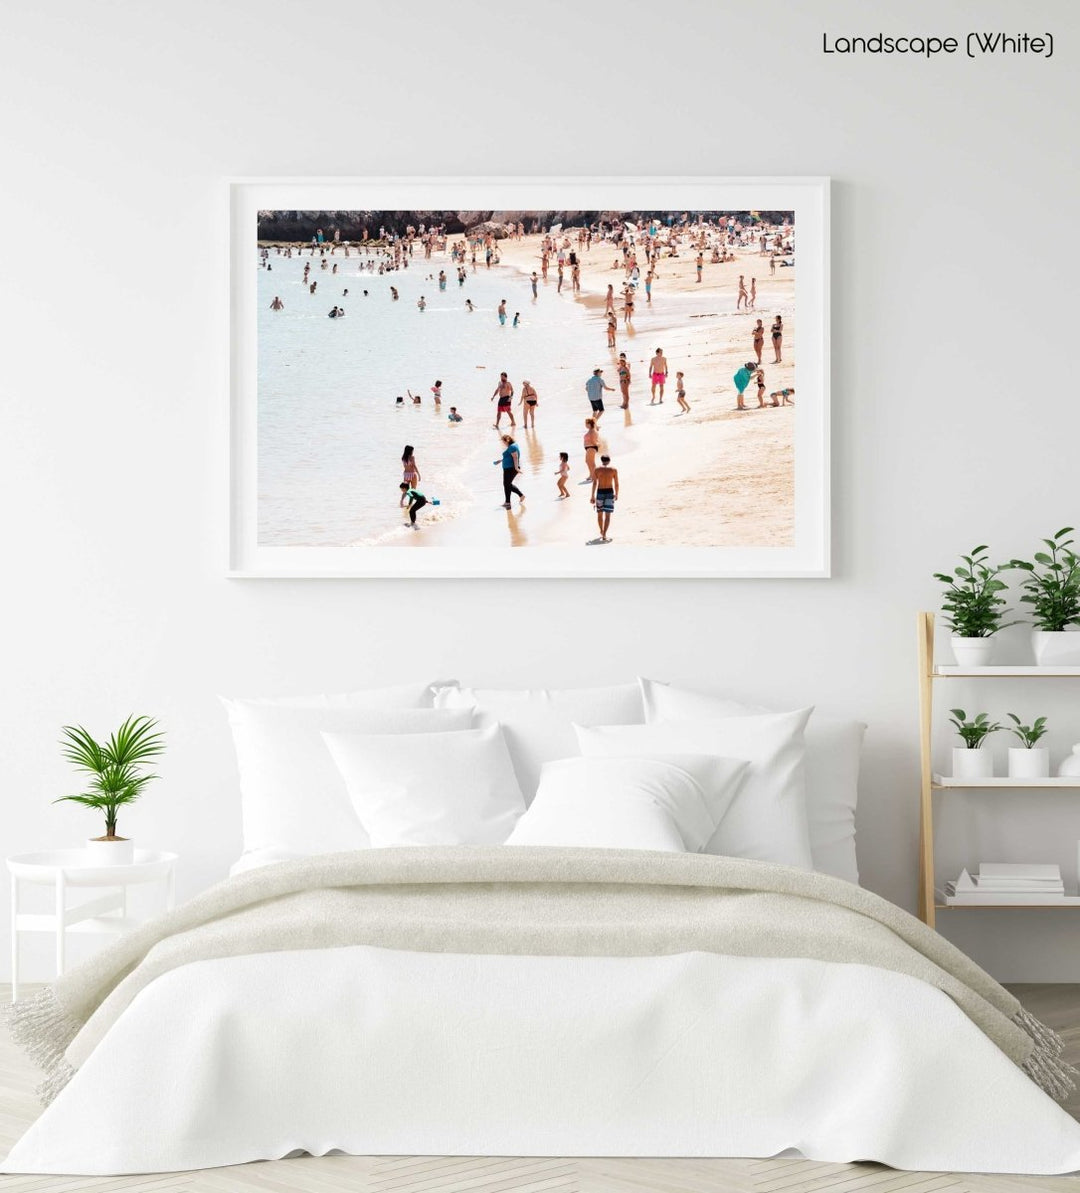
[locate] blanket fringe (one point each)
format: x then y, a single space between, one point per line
43 1030
1046 1065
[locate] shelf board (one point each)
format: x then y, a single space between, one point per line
942 781
1070 902
949 671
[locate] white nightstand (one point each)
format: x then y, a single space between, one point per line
63 869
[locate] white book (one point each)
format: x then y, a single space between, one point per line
967 899
972 891
1015 870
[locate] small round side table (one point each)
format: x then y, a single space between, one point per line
64 869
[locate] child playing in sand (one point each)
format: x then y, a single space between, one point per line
415 499
562 473
680 393
453 416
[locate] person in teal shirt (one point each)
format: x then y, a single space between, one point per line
742 379
415 499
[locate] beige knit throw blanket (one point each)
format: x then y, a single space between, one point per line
526 901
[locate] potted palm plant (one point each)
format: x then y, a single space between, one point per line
1028 760
969 760
116 778
973 607
1052 589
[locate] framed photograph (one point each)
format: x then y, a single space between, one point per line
529 377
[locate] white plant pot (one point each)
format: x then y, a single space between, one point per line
1029 764
972 652
972 764
120 852
1056 648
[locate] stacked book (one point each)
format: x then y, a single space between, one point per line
1007 882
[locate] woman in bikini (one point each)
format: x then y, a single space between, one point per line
624 381
759 377
592 446
410 470
777 337
528 403
759 339
612 325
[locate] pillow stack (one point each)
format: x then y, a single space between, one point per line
645 766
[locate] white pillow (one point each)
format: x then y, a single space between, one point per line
767 818
539 723
672 803
833 749
292 796
432 788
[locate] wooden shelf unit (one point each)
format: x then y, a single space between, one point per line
929 672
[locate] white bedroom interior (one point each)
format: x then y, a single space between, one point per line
952 303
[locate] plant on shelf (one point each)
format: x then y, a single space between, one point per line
117 774
1052 589
1028 760
971 761
1028 734
973 606
973 733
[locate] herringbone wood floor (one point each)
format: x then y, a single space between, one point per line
1058 1006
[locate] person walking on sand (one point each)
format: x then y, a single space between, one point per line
502 312
504 391
511 466
628 305
609 301
277 304
680 394
742 379
594 388
753 294
563 472
700 265
612 327
743 294
416 501
558 289
605 492
777 337
759 377
410 470
624 381
528 401
658 371
592 446
648 287
759 339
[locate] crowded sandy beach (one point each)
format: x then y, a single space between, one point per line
625 383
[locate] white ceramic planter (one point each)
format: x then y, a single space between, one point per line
1056 648
119 852
972 652
1029 764
972 764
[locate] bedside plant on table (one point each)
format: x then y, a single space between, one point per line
1029 760
969 760
974 607
117 778
1052 589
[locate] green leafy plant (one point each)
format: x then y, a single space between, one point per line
973 603
1052 586
974 732
1028 734
115 767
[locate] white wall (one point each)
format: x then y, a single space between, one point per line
955 415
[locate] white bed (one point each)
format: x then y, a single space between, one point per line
375 1051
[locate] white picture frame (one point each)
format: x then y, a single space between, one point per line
807 197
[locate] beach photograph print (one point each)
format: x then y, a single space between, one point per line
613 389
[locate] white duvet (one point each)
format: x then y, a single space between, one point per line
375 1051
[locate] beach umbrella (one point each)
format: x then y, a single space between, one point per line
556 228
630 227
